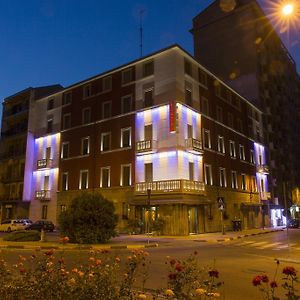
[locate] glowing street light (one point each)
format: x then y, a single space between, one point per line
288 9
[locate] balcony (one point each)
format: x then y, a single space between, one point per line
170 186
144 147
44 163
265 195
193 145
263 169
43 195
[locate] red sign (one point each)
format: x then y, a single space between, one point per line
172 116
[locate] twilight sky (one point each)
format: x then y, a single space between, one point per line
44 42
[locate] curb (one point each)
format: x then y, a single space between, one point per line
84 248
220 240
288 260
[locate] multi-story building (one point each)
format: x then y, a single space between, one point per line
239 45
160 136
13 147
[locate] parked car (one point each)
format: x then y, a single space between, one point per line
294 223
41 224
13 225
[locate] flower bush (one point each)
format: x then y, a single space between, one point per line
269 288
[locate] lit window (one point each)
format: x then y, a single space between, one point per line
221 146
242 152
148 172
65 150
234 184
125 137
105 177
126 175
84 179
252 161
63 208
253 184
206 137
44 212
64 181
232 148
208 174
243 177
105 141
85 146
223 177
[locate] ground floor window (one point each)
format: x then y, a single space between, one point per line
44 211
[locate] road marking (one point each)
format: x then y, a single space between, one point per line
258 244
269 245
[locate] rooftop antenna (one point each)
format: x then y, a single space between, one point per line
141 32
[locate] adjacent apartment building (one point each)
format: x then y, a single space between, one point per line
13 147
239 44
160 136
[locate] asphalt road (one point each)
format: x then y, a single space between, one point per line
238 261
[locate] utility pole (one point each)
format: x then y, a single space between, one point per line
141 32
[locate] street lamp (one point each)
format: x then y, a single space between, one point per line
288 9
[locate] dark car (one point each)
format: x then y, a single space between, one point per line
41 224
294 223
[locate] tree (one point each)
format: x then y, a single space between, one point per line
89 219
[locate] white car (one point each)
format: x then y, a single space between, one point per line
13 225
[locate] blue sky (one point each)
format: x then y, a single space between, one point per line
44 42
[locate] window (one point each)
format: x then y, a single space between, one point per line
64 150
187 67
232 148
219 114
189 131
262 185
148 172
188 96
84 179
234 184
126 103
217 88
44 212
87 91
86 115
48 153
260 159
243 177
67 98
239 125
230 119
252 157
64 181
208 174
204 106
126 175
125 211
50 104
106 109
228 95
148 68
106 84
242 152
148 97
127 76
253 184
223 177
49 125
63 208
221 146
66 121
191 171
105 177
85 146
206 137
125 137
202 77
148 132
105 141
46 183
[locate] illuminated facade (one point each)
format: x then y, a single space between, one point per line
161 137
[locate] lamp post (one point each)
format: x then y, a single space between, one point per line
148 214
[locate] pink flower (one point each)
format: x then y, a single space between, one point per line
264 278
273 284
213 273
179 267
256 280
49 252
289 271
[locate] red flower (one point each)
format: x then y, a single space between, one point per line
273 284
61 261
49 252
172 276
289 271
22 270
178 267
264 278
213 273
257 280
172 262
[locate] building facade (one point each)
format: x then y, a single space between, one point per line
254 61
161 137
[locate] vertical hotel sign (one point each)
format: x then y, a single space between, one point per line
172 116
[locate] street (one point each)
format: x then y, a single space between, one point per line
237 261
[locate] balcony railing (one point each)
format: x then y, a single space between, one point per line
171 186
193 145
265 195
44 163
147 146
43 195
264 169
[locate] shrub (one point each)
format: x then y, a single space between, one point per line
22 236
89 219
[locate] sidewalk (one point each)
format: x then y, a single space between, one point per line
137 241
